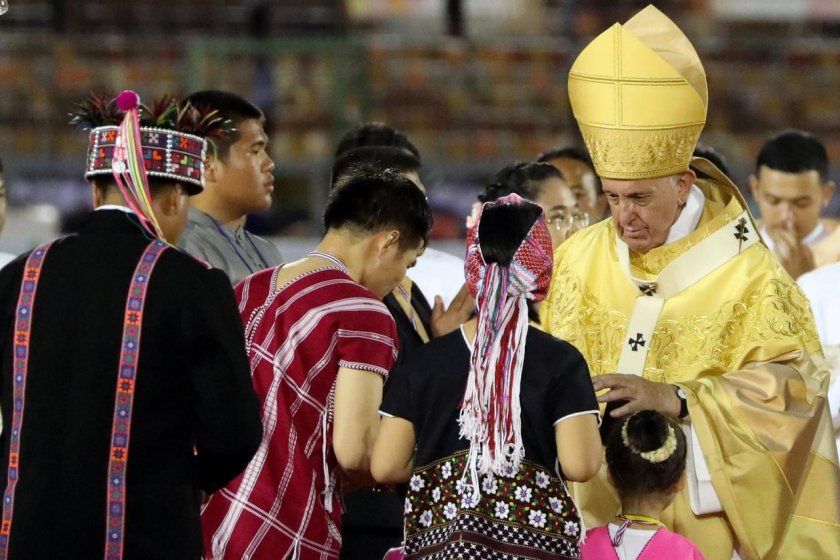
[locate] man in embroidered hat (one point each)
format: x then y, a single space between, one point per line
679 307
124 384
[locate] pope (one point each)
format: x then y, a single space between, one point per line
678 306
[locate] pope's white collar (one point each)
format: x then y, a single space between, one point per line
689 217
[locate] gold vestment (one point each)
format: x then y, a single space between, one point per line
742 343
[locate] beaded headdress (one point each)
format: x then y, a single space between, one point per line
131 142
172 136
638 92
490 417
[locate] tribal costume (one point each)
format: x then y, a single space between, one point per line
484 483
124 384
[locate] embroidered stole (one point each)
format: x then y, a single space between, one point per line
402 293
684 271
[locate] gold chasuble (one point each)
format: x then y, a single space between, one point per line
713 312
740 341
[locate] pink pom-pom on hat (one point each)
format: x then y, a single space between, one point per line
127 100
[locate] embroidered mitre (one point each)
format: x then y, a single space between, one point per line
638 92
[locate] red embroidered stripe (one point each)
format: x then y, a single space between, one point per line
124 401
23 328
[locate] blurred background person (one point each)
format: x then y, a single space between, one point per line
437 274
4 257
820 287
576 166
239 180
714 156
792 188
544 185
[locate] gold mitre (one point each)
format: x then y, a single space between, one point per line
638 92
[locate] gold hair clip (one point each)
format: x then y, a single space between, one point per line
656 455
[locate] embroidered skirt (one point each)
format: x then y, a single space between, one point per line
528 514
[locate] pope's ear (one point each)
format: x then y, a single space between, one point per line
686 180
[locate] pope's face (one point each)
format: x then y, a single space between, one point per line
644 210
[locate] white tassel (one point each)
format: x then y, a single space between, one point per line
504 457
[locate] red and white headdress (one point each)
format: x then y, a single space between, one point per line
490 417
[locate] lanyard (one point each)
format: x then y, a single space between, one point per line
235 248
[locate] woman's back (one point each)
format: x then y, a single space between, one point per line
528 513
491 410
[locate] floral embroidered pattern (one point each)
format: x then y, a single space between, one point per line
625 153
528 514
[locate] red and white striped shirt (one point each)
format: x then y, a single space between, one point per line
285 504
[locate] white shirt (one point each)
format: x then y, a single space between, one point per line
820 287
633 542
119 207
438 273
6 258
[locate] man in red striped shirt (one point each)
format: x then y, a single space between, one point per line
320 344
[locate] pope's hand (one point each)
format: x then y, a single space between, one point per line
639 393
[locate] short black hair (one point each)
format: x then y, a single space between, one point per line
230 107
375 134
1 166
522 178
632 474
371 160
576 153
105 183
375 202
570 152
714 156
794 151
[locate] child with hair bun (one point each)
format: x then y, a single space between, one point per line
646 464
